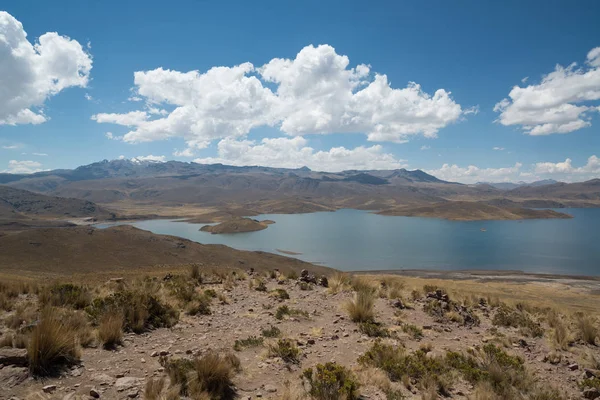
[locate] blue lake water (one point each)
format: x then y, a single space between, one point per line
358 240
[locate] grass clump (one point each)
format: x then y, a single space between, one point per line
261 286
271 332
280 294
285 349
413 331
251 341
204 377
373 329
110 330
200 305
331 381
509 317
586 329
362 285
338 282
141 311
66 295
210 293
284 311
154 388
361 307
52 344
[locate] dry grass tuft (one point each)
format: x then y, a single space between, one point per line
53 343
285 349
110 330
338 282
588 332
154 388
361 308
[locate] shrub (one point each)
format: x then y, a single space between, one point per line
306 286
210 293
66 295
338 282
195 273
362 285
261 286
373 329
212 374
283 311
508 317
331 382
52 344
280 294
251 341
141 311
199 306
360 308
110 329
285 349
587 330
413 331
292 275
271 332
154 388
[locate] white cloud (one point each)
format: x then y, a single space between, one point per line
498 148
524 79
471 110
31 73
184 153
591 168
425 147
39 154
88 97
558 104
121 157
23 167
111 136
473 174
149 158
294 153
317 92
10 147
133 118
135 98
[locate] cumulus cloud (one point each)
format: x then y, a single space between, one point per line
149 158
317 92
184 153
591 168
474 174
560 103
111 136
23 167
295 153
31 73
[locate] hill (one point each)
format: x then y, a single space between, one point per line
472 211
513 185
79 250
237 225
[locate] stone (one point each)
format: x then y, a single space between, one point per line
310 341
102 379
94 393
127 383
270 388
591 393
11 356
133 394
49 388
573 367
154 354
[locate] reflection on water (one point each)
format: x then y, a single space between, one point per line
358 240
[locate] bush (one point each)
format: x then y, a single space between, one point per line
362 285
52 344
280 294
283 311
508 317
251 341
210 293
587 330
195 273
66 295
361 308
271 332
110 330
261 286
373 329
285 349
413 331
154 388
306 286
141 311
331 382
210 374
338 282
200 306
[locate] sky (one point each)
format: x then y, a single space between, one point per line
468 91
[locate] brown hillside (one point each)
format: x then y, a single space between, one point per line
237 225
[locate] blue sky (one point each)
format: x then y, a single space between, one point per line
314 110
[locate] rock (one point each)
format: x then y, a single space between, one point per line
591 393
589 374
11 356
154 354
164 353
49 388
310 341
398 304
102 379
270 388
94 393
133 394
573 367
323 281
13 376
127 383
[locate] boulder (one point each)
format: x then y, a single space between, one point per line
11 356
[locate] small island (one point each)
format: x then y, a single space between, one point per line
237 225
472 211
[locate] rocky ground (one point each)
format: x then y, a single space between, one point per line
323 333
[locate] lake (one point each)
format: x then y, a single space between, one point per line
358 240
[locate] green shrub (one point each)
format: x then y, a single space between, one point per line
285 349
200 305
210 293
66 295
283 311
271 332
373 329
413 331
141 311
280 294
251 341
331 382
508 317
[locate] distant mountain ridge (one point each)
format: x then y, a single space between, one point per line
514 185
